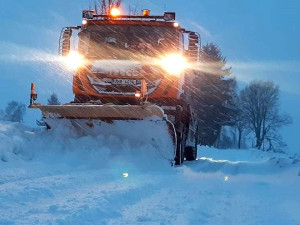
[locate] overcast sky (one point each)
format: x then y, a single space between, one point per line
259 38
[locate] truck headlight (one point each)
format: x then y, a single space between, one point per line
74 60
174 64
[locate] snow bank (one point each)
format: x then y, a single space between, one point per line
12 137
238 154
235 161
60 177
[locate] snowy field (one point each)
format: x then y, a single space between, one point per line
56 177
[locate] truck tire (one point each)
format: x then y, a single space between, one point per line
179 158
190 153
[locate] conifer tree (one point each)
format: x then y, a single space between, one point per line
214 93
53 100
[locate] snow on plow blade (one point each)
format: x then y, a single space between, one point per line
139 125
90 111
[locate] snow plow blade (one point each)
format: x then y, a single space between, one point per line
90 111
139 124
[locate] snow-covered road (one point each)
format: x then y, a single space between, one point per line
44 182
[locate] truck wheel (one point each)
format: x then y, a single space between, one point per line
179 158
190 153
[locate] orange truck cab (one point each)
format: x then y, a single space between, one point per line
124 53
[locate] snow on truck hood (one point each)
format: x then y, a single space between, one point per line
125 67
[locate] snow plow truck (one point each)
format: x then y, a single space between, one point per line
132 77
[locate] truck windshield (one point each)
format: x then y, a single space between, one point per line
127 41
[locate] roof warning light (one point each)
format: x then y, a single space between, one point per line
146 12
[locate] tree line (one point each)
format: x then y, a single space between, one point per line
252 111
15 111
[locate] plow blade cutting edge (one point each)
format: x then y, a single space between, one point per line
139 125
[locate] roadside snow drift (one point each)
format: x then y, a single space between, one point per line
60 177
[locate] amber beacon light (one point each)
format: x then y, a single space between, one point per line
145 12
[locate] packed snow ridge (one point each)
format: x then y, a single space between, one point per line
60 177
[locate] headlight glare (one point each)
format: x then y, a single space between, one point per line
174 64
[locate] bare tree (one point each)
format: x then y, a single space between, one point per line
104 6
240 121
240 126
260 108
132 10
